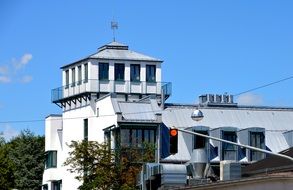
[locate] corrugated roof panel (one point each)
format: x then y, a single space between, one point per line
137 111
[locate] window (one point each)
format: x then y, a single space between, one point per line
45 187
73 76
66 78
103 71
199 142
85 129
119 72
151 73
135 73
51 159
136 137
85 73
257 139
79 75
57 185
229 150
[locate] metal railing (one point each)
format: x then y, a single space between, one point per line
108 86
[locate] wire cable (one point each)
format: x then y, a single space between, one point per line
263 86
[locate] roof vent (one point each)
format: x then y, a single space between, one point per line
217 100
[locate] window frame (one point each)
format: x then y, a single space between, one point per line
135 72
51 159
85 130
229 148
257 139
73 77
67 78
86 76
79 75
119 72
151 73
103 71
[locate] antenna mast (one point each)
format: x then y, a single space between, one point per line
114 26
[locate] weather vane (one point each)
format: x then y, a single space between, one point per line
114 26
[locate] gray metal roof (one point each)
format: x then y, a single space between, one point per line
275 121
116 51
137 111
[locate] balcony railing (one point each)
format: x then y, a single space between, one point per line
107 86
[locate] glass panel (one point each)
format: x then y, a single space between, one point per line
256 140
73 77
85 128
151 73
134 72
119 71
66 78
146 136
125 137
103 71
229 150
139 137
152 136
79 74
51 159
85 73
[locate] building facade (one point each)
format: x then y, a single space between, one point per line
117 95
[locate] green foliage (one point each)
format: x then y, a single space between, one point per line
22 162
101 168
6 167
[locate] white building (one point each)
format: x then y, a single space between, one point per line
88 104
117 95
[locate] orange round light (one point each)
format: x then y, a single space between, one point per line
173 132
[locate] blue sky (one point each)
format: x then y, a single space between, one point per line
207 47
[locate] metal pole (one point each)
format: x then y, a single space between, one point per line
237 144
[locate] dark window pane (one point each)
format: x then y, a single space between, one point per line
134 72
51 159
257 140
85 73
85 129
103 71
73 76
125 137
79 74
151 73
66 78
229 150
119 72
199 142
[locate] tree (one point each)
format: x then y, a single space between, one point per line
6 167
26 152
101 168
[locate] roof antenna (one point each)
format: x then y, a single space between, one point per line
114 26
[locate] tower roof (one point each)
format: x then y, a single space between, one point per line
117 51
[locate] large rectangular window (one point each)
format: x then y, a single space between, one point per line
103 71
86 73
257 139
66 78
79 75
135 73
119 72
85 129
51 159
229 150
136 137
73 76
151 73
